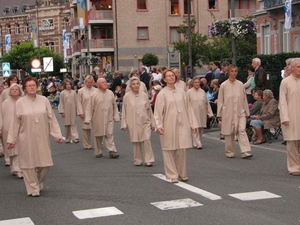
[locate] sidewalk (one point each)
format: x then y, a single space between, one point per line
274 144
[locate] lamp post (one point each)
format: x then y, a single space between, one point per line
190 67
233 42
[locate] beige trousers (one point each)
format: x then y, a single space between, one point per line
242 138
109 142
197 138
34 179
175 163
86 138
14 164
292 156
138 155
71 132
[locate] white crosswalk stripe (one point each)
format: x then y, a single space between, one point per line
20 221
176 204
257 195
99 212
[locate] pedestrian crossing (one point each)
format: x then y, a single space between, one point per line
174 204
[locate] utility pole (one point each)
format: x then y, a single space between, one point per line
87 36
233 43
38 34
190 67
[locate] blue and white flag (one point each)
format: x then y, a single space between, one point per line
7 42
288 14
66 40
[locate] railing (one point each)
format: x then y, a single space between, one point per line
272 3
68 30
100 15
74 22
77 48
99 43
241 12
69 52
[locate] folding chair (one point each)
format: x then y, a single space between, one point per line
269 135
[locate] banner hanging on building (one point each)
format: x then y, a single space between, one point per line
288 14
66 44
7 42
81 13
35 31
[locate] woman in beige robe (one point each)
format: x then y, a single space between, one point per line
201 108
143 87
6 118
179 83
137 118
83 98
67 109
174 120
34 120
233 112
1 141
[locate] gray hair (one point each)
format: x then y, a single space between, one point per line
293 61
192 80
268 93
257 60
133 79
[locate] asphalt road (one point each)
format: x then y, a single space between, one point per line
79 181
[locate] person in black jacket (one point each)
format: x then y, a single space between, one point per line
115 82
223 75
260 75
145 78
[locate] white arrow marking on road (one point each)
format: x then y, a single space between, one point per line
99 212
21 221
176 204
191 188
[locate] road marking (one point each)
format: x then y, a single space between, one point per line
257 195
99 212
176 204
20 221
191 188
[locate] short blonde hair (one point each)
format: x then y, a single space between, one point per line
89 77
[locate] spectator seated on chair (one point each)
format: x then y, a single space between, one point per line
268 117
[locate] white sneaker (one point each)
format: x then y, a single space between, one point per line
246 155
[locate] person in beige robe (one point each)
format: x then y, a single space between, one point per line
289 105
233 112
179 83
6 119
34 120
1 141
143 87
137 118
83 98
67 108
201 107
174 120
101 112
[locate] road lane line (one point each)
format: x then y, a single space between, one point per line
99 212
256 195
191 188
176 204
20 221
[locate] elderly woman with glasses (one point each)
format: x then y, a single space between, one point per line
268 117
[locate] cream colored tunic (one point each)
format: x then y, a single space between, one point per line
7 112
68 106
232 104
83 98
5 94
34 120
289 105
137 116
200 105
181 84
102 111
143 87
173 114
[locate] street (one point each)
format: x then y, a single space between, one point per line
82 189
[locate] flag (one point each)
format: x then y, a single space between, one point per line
288 14
7 42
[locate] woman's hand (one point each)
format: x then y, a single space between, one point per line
10 145
63 115
81 116
160 131
124 128
60 140
196 131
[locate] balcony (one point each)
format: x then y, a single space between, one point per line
74 24
100 16
76 49
68 31
99 45
268 4
69 53
68 8
242 12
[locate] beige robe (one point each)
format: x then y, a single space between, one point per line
5 94
289 105
7 112
143 87
83 98
68 105
34 120
137 116
200 105
232 105
181 84
173 114
102 111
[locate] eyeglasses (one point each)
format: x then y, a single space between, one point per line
31 85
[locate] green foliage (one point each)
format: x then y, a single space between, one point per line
150 59
21 55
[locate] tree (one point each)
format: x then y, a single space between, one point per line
150 59
21 55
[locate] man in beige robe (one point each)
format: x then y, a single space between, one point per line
289 105
1 141
83 98
101 112
198 101
137 118
233 111
67 108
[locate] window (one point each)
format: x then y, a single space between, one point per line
50 45
17 28
142 33
66 22
141 4
212 4
174 7
174 35
186 2
102 32
285 40
266 40
47 24
8 29
26 28
0 30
